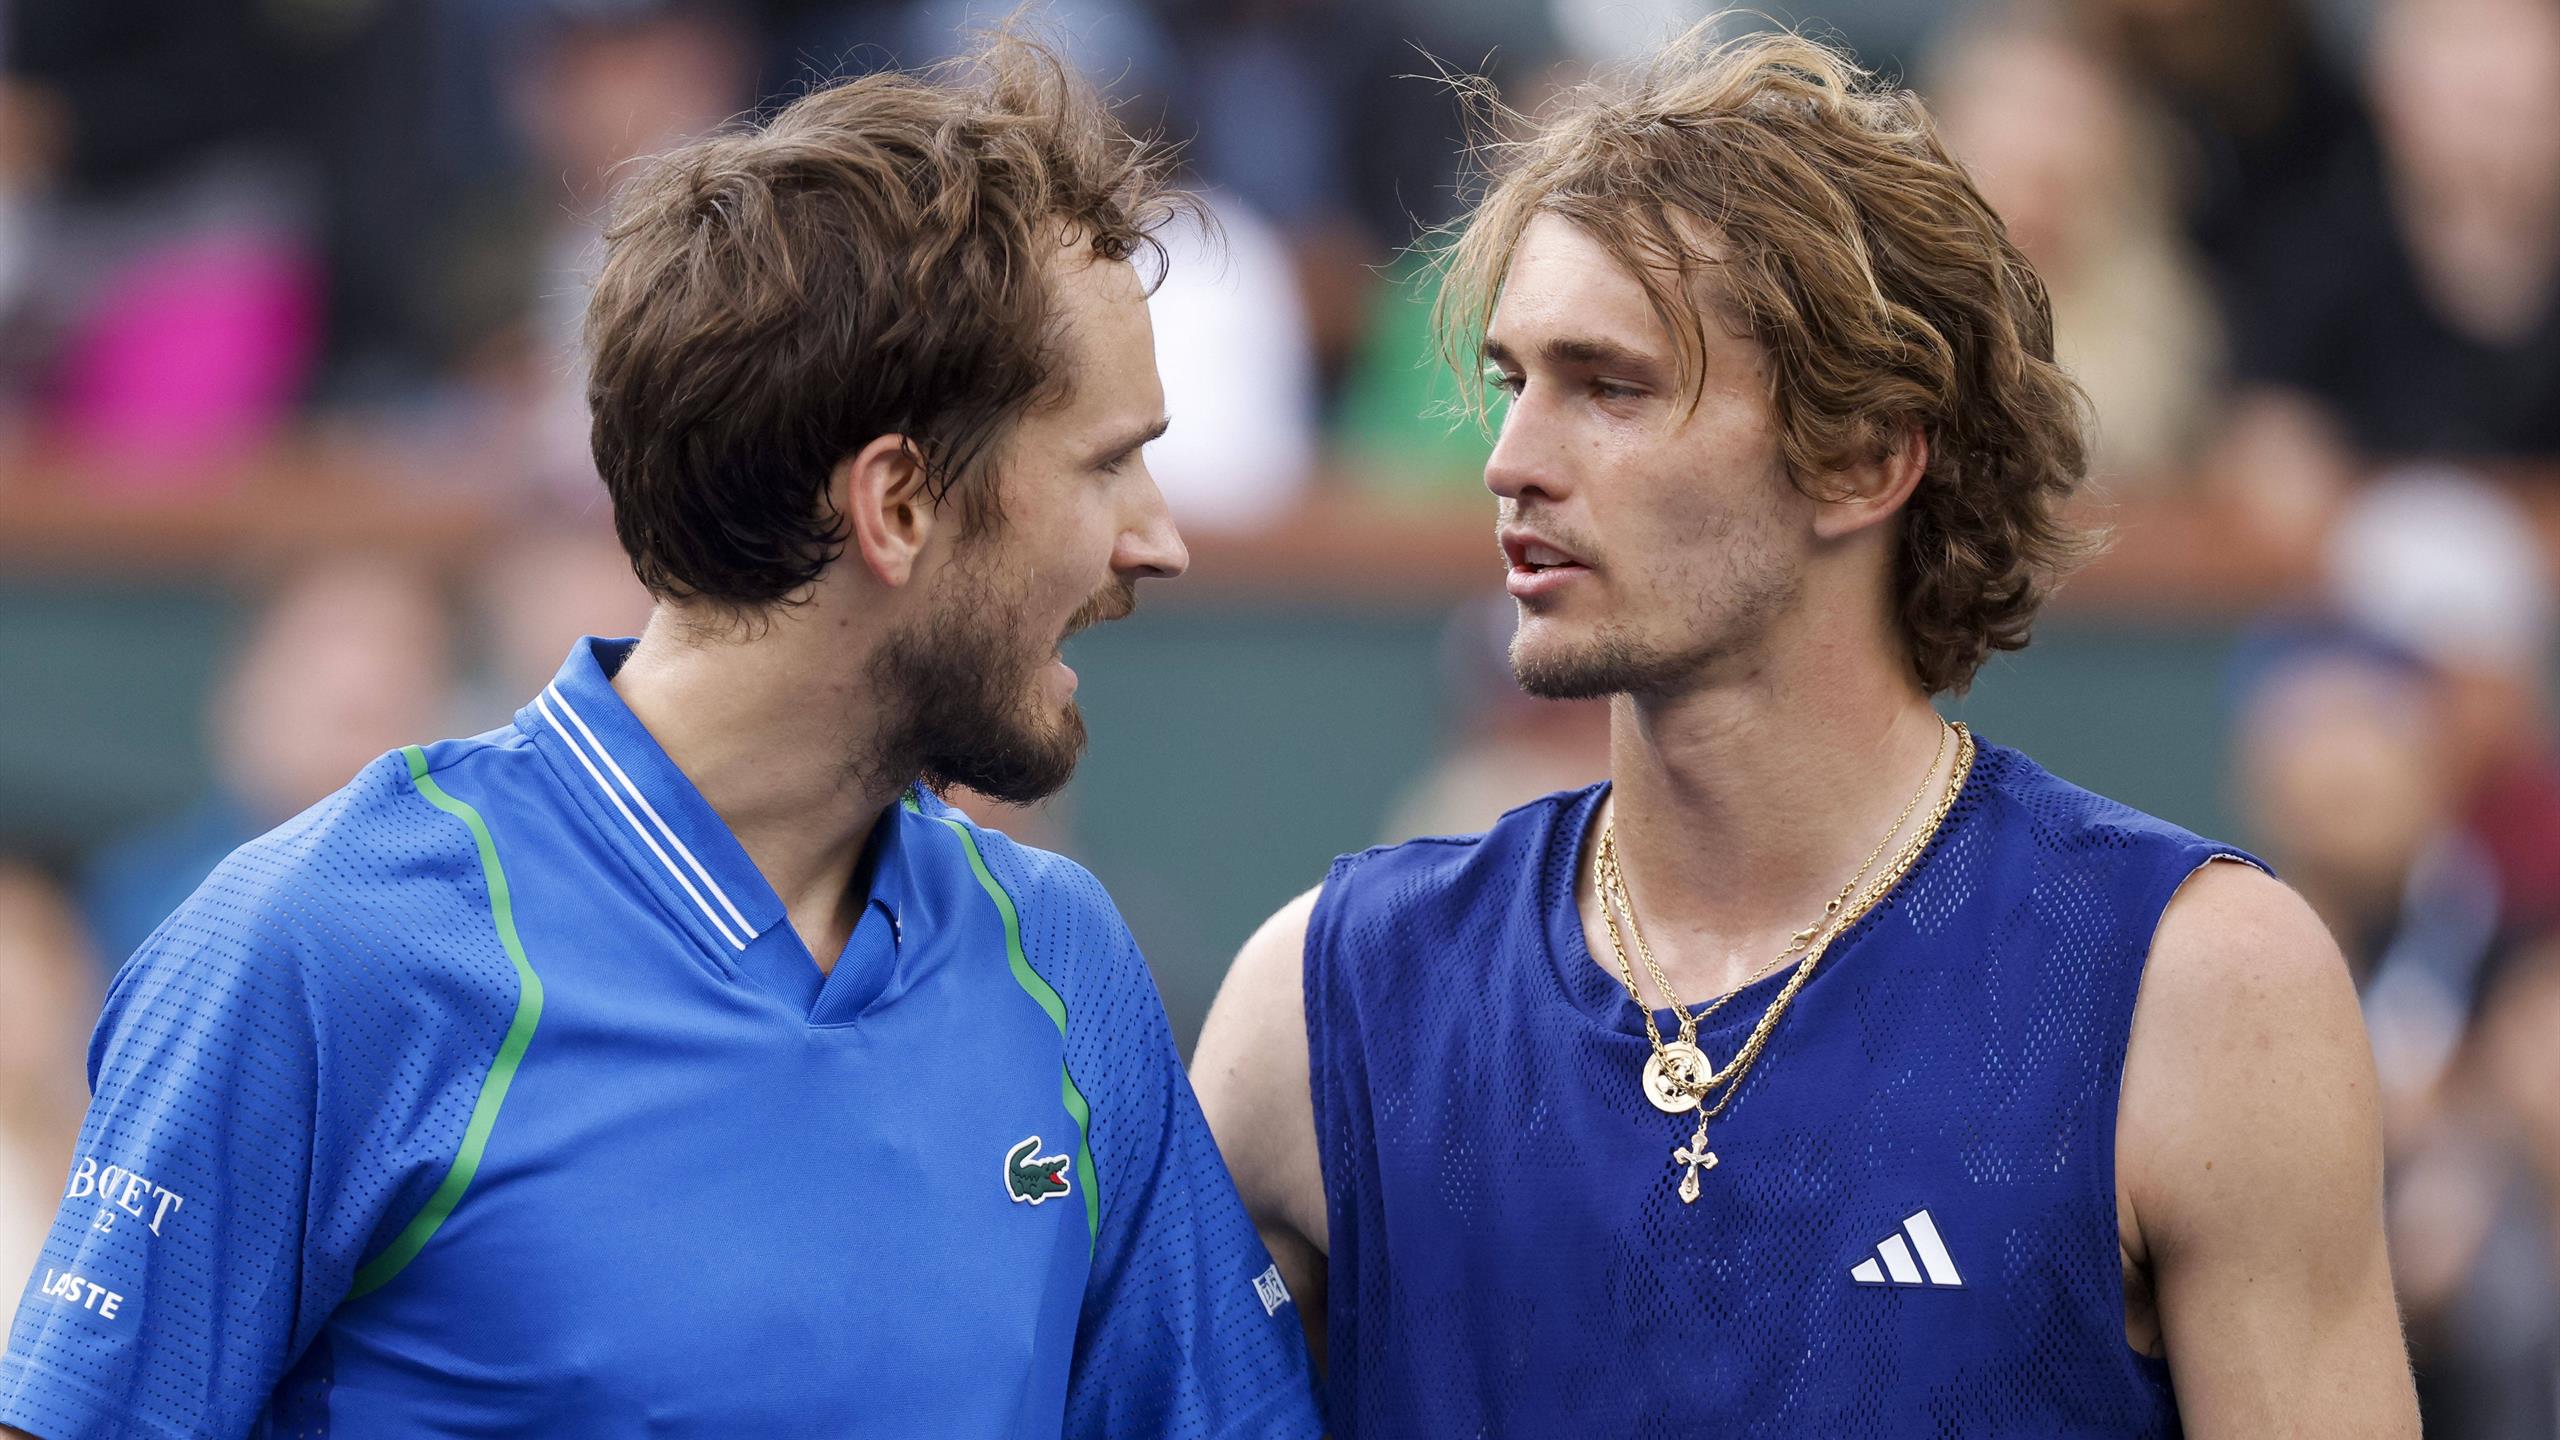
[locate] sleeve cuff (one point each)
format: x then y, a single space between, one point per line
1287 1416
50 1405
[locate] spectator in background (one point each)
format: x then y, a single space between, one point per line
2273 136
1239 373
2448 572
530 598
2475 1210
2072 160
2422 312
2273 129
1284 104
349 658
1233 340
48 1001
1318 113
2347 785
2352 785
601 83
2452 570
174 279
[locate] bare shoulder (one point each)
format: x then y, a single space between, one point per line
1250 1072
2228 911
2248 1060
2249 1171
2239 955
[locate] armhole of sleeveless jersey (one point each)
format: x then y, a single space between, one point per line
1316 980
501 1074
2192 862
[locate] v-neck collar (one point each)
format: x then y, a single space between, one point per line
1592 986
646 809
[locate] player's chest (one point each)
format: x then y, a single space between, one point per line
1870 1186
890 1213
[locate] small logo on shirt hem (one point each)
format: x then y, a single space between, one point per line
1273 1290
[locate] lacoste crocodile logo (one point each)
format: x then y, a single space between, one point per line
1031 1177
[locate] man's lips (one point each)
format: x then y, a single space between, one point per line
1538 565
1528 550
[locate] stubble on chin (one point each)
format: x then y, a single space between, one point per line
1595 669
1610 661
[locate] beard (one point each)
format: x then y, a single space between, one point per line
964 686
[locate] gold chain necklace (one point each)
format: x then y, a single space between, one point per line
1678 1074
1695 1155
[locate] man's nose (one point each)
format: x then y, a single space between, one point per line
1152 547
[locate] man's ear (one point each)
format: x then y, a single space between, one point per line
882 492
1873 491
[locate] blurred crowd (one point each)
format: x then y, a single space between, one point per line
2304 257
2286 241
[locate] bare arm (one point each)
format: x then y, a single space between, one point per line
1250 1072
2249 1150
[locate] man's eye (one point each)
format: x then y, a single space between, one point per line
1503 381
1612 390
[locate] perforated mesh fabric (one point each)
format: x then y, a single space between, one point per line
1508 1253
294 1054
1174 1340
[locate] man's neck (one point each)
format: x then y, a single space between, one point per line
1741 807
772 749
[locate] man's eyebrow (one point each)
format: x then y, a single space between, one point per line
1130 445
1597 354
1577 350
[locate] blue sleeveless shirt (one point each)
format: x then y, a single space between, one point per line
1912 1231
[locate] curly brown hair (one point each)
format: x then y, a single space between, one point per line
873 261
1858 253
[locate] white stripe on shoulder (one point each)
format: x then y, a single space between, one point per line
543 703
647 809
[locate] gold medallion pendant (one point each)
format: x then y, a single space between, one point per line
1676 1076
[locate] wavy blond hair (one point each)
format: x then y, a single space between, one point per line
1858 253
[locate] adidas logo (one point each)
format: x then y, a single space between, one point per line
1898 1266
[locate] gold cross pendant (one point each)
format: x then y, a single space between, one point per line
1697 1157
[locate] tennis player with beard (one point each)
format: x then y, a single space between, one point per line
672 1060
1828 1071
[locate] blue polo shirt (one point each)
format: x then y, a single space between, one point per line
495 1096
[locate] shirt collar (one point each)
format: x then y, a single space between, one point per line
648 808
